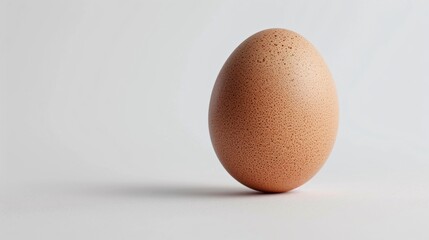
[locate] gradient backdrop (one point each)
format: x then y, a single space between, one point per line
103 121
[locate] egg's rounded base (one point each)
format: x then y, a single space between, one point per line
268 190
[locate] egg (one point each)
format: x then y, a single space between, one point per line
273 113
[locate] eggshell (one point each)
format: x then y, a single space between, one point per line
273 112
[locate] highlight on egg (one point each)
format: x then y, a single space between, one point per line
273 113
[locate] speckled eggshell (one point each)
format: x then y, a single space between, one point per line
273 113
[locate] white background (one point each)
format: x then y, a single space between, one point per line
103 121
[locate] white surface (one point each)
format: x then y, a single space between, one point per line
103 121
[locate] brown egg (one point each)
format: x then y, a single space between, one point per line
273 113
